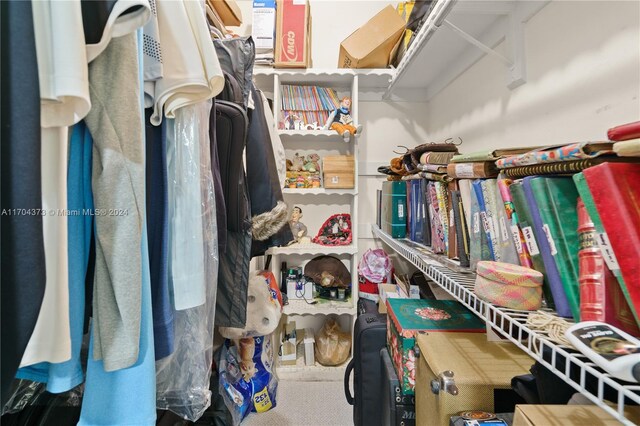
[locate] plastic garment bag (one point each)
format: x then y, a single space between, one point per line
183 377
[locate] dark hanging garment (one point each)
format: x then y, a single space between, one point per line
268 209
157 212
236 56
233 271
221 210
22 245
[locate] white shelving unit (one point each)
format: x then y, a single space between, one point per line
574 368
455 35
319 203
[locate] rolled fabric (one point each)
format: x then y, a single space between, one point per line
624 132
630 148
510 286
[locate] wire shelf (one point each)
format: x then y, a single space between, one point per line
572 367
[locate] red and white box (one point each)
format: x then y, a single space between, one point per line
293 34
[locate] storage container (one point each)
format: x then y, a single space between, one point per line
339 171
461 372
511 286
407 317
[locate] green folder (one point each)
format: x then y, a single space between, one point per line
394 208
525 223
557 199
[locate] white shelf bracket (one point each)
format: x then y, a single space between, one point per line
471 39
514 38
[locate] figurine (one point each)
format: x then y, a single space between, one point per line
312 164
340 120
297 164
298 228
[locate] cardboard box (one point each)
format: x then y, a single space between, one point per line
386 291
375 43
338 171
263 30
562 415
289 348
293 34
228 11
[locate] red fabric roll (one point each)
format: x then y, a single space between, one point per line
624 132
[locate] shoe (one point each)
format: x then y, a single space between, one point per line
359 130
346 135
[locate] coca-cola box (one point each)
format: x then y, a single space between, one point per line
293 34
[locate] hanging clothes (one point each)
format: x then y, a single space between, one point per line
183 378
61 377
126 396
107 19
268 209
190 68
186 265
158 235
221 210
22 243
233 273
118 190
64 93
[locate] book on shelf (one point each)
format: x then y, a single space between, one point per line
601 298
452 236
557 153
443 211
563 167
615 190
426 226
490 155
601 235
394 207
525 223
484 222
512 220
415 210
485 169
503 246
462 233
438 244
479 242
552 201
465 198
305 105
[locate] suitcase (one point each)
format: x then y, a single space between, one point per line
397 409
462 372
369 333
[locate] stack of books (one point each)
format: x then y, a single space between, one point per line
306 107
571 212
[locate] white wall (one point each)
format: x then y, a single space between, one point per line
583 67
583 76
332 22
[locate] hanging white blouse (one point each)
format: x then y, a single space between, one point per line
191 70
126 16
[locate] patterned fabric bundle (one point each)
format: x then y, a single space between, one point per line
507 285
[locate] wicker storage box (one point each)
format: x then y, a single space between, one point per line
339 171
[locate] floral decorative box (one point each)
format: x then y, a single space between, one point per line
407 317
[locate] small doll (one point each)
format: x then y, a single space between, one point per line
298 228
340 120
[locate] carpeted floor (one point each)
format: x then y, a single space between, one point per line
306 404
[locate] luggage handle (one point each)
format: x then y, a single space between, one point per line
347 376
